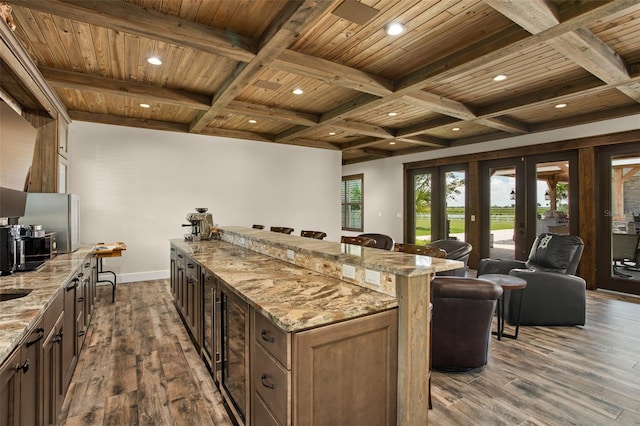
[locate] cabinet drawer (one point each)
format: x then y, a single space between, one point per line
271 383
276 341
261 414
53 312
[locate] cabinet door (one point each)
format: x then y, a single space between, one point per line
10 391
69 347
349 366
31 364
234 377
52 373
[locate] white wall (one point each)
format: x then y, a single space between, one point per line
137 186
383 179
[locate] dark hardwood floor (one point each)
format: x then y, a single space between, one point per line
139 367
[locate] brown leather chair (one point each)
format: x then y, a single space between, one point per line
318 235
358 241
463 311
281 229
456 250
258 226
421 250
383 241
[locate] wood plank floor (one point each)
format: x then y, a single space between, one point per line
139 367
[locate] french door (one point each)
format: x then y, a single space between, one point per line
523 197
436 204
618 221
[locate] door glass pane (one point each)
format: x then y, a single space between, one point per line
552 197
502 213
455 205
422 192
625 217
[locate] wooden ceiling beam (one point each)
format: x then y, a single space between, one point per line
276 38
580 45
81 81
439 104
332 73
375 152
272 113
133 19
363 129
128 121
505 124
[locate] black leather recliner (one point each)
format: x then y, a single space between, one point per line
554 294
463 311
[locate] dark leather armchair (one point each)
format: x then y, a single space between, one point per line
456 250
382 241
463 311
554 294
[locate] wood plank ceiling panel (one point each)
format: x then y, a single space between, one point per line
317 96
578 106
222 58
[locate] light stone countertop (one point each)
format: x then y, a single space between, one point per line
17 316
294 298
402 264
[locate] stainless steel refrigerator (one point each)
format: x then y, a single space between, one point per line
59 213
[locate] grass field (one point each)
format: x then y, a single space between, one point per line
501 218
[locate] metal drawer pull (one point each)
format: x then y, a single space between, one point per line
24 367
265 384
263 334
80 333
40 332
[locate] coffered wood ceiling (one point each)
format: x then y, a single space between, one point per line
226 62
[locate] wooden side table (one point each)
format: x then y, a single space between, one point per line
507 282
104 250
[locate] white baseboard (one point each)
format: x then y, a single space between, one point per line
141 276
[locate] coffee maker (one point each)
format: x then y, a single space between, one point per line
201 224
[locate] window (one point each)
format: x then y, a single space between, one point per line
352 202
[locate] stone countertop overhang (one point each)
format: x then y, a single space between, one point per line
403 264
17 316
294 298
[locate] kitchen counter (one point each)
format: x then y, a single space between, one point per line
17 316
293 297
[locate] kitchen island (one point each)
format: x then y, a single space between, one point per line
298 285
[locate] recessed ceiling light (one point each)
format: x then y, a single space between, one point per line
298 91
145 106
392 143
456 129
253 121
392 114
395 28
561 105
154 60
332 133
500 77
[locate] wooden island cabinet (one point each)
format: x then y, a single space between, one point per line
290 341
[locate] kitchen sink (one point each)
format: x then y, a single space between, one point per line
8 294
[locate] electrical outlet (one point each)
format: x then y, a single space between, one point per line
349 271
291 255
372 277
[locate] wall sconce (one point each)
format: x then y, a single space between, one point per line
546 196
512 195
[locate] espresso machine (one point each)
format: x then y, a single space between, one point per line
201 224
